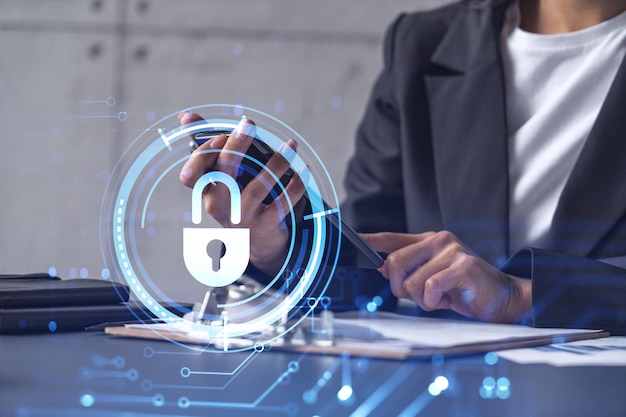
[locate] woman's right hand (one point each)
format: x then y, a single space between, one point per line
268 234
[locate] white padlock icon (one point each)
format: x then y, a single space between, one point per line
232 263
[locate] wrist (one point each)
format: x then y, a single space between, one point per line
519 308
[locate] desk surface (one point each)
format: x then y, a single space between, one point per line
91 374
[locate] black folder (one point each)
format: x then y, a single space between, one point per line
40 303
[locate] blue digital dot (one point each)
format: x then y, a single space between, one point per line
52 271
489 382
73 272
344 393
378 300
309 396
52 326
491 358
503 383
279 106
433 390
293 366
106 274
21 324
84 272
371 307
503 395
441 382
485 393
87 400
158 400
336 102
183 402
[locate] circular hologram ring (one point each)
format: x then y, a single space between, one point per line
156 141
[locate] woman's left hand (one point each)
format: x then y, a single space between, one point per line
437 271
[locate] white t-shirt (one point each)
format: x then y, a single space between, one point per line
555 86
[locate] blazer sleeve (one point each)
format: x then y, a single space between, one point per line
573 291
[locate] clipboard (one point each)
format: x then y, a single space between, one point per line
357 335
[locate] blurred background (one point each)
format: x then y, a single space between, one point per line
81 79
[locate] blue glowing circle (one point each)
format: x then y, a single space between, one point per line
489 382
147 385
293 367
105 274
87 400
185 372
158 400
371 307
441 382
52 271
118 215
309 396
503 395
132 374
433 390
119 362
52 326
486 393
148 352
491 358
345 394
503 383
183 402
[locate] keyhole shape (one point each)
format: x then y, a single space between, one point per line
216 251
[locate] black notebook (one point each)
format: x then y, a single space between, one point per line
38 302
41 290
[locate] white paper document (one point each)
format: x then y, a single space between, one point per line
381 334
608 351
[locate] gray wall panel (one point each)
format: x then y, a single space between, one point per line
309 63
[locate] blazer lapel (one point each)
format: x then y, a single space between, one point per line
594 196
468 124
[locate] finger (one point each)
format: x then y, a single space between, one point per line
419 284
400 264
236 146
387 242
188 117
293 193
397 287
201 161
260 186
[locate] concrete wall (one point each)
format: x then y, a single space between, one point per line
71 67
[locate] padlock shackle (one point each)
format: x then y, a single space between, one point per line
211 178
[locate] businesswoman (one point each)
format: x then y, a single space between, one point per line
488 164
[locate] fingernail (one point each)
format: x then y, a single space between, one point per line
287 152
182 113
304 175
245 128
186 173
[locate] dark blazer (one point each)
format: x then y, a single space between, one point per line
431 154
